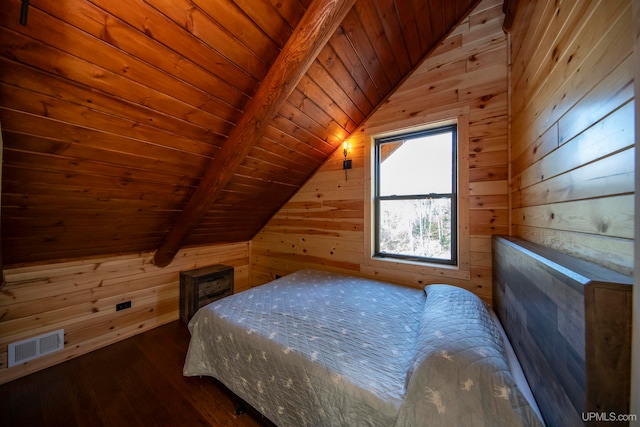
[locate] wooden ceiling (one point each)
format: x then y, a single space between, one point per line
112 112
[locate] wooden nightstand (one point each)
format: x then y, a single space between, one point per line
201 286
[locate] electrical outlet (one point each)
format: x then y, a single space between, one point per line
123 305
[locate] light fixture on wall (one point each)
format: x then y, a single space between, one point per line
23 12
346 163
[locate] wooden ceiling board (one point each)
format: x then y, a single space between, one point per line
285 125
86 54
277 141
343 78
268 19
201 26
269 171
229 16
342 108
345 51
370 22
112 112
366 52
407 18
104 27
291 11
149 157
61 171
42 83
295 164
393 32
56 219
57 110
152 24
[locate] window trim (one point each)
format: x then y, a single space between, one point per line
453 196
379 266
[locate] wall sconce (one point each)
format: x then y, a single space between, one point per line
23 12
346 164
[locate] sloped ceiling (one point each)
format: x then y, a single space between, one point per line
113 111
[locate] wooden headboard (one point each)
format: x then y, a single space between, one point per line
569 322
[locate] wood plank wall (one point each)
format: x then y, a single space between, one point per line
80 297
324 226
573 128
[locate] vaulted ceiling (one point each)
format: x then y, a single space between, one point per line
113 113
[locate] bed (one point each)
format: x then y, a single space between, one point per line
322 349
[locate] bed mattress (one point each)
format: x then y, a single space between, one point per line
321 349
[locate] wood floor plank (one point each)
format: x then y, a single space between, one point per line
135 382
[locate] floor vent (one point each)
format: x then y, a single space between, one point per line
32 348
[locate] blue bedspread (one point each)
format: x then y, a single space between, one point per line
318 349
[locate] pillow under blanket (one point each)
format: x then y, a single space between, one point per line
459 374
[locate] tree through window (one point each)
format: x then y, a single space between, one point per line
416 196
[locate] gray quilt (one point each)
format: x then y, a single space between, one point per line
459 374
320 349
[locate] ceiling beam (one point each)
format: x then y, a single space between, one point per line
316 27
509 7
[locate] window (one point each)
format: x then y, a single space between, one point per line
415 196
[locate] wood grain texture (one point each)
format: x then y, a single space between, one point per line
136 382
569 322
80 297
573 161
509 7
325 224
309 37
114 112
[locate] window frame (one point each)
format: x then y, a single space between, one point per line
378 142
418 271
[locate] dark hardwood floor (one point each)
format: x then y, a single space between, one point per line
136 382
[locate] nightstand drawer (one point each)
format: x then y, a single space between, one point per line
215 286
202 286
